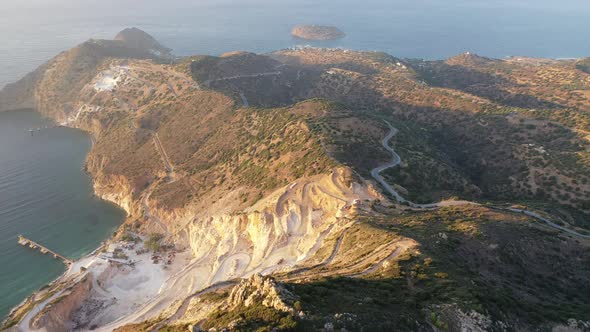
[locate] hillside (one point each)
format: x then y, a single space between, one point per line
281 165
584 65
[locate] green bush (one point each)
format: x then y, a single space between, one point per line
153 243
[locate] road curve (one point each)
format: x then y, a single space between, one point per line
396 252
396 160
548 222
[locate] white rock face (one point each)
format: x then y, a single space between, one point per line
279 231
107 80
84 108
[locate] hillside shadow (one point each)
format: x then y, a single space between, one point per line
515 282
479 83
488 153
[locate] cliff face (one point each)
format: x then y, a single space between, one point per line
55 316
283 229
116 189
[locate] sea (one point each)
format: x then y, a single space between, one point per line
46 196
44 193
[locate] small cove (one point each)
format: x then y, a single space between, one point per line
46 196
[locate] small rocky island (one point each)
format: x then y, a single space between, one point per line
317 32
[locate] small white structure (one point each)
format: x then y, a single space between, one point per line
108 79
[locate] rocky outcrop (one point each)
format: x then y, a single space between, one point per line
116 189
455 319
55 317
573 325
281 230
263 290
250 292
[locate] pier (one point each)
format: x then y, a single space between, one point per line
44 250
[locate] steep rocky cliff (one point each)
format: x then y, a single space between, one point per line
281 230
55 316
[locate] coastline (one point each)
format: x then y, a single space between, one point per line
69 271
57 280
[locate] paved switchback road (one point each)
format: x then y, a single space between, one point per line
396 160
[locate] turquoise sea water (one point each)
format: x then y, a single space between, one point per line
46 196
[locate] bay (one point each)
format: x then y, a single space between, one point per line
46 196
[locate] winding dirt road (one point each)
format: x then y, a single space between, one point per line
401 247
396 160
164 155
548 222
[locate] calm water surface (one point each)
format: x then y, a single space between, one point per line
46 196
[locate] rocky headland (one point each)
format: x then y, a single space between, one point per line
317 32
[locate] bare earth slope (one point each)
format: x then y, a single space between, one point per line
246 164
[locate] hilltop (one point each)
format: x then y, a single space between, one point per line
280 165
138 39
